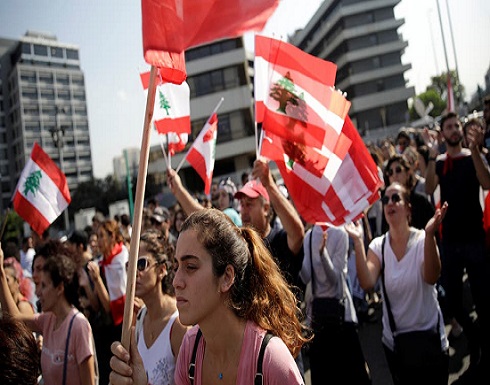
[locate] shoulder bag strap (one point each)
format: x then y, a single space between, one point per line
65 362
192 365
311 265
387 300
259 377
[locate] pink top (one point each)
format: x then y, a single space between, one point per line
278 366
54 342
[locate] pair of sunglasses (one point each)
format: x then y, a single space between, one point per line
396 170
142 264
395 198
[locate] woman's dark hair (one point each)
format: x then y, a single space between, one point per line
403 163
163 252
63 269
19 355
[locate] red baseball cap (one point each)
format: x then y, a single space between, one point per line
253 189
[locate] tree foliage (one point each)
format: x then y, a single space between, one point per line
439 84
427 97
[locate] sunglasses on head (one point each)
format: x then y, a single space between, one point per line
396 170
395 198
142 264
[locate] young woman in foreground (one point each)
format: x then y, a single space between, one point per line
228 284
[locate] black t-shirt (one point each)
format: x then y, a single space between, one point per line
289 263
460 188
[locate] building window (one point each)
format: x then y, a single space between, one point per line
71 54
40 50
62 79
77 81
26 48
45 77
57 52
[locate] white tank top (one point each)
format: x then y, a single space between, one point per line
159 360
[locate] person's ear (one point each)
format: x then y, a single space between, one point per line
227 279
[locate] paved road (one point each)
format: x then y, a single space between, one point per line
370 336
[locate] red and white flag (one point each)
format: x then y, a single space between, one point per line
326 186
42 192
171 112
450 94
202 154
294 94
176 142
175 25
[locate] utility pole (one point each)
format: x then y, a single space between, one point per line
57 134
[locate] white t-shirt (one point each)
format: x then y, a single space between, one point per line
413 301
158 359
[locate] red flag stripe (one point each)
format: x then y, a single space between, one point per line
29 213
46 164
174 26
197 161
179 125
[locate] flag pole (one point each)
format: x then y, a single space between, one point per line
163 151
4 224
212 113
138 212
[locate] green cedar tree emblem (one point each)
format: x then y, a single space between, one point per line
164 103
285 93
32 182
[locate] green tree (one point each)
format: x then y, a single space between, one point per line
13 227
429 96
439 84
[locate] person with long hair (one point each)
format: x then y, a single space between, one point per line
159 332
109 279
408 263
228 285
68 350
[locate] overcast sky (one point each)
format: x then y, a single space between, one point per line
108 33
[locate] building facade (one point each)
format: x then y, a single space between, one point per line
216 70
361 37
43 100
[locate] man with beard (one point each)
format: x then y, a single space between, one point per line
461 172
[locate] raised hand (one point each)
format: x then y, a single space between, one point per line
436 220
355 231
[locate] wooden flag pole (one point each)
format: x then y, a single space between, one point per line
138 212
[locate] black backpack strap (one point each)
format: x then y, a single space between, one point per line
192 365
259 377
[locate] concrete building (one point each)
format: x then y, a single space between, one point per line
42 99
119 164
220 69
361 37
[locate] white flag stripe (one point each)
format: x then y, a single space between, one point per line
177 96
262 84
48 200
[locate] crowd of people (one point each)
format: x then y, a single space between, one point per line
247 291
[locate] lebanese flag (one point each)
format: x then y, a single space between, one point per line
176 142
176 25
294 94
42 192
202 154
450 94
326 186
171 112
114 267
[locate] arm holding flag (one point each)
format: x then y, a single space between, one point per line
7 301
185 199
284 209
